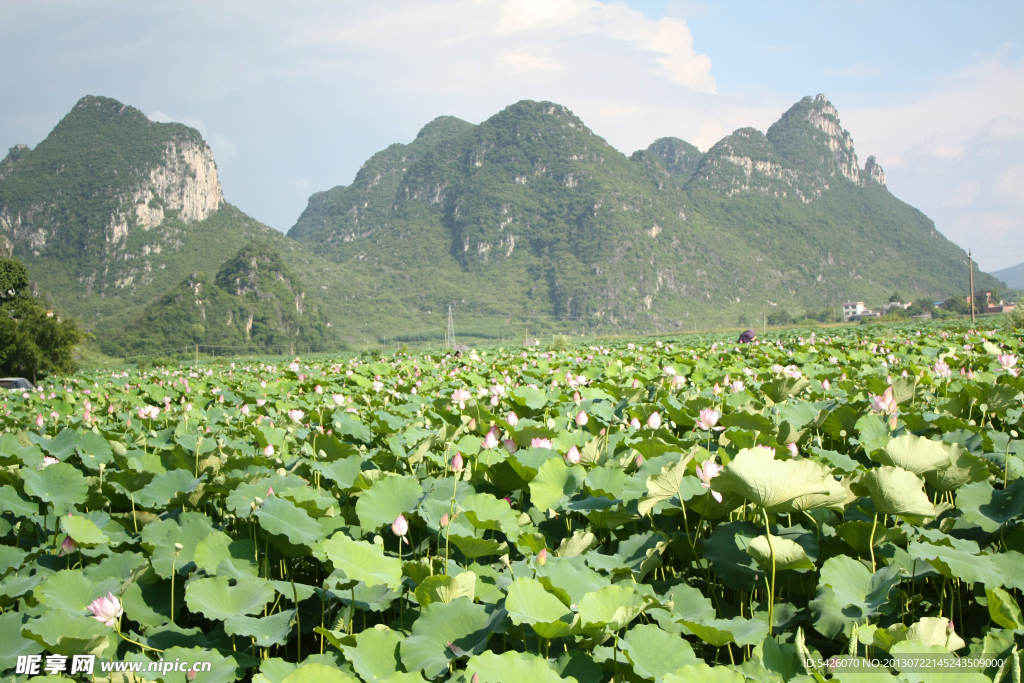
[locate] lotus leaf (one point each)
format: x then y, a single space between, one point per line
763 480
895 491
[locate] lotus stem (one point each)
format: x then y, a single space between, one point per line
871 542
771 590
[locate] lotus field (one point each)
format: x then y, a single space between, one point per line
674 511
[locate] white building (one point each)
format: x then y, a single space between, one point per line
852 309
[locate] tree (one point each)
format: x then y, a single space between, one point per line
780 317
958 304
34 340
895 297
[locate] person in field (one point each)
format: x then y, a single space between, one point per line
747 337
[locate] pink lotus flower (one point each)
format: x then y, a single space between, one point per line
885 403
636 384
512 419
245 409
793 450
49 460
260 402
708 420
573 456
491 438
400 527
737 386
338 399
69 546
510 446
269 450
716 390
457 462
542 556
707 471
581 418
634 423
108 609
318 389
826 385
296 415
654 420
639 460
270 491
460 396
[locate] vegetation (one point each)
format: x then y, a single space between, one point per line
676 511
34 341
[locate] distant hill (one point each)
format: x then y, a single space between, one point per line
254 303
532 214
1012 276
528 222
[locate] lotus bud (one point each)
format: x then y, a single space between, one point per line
400 527
573 456
654 421
542 557
636 384
472 425
793 450
510 446
581 418
68 546
634 423
512 419
269 450
457 462
444 520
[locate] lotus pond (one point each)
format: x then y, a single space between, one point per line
672 511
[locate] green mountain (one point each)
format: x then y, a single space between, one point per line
1012 276
531 215
112 211
254 303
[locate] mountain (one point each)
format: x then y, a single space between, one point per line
112 211
254 303
532 215
1012 276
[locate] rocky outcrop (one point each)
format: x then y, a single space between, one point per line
825 118
873 171
186 182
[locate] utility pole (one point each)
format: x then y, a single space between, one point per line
449 335
970 264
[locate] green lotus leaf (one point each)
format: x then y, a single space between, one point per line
282 517
83 531
836 498
94 451
580 542
607 481
958 563
570 579
702 673
60 485
664 485
68 634
858 535
444 588
388 498
71 591
164 537
12 643
654 652
362 561
895 491
934 631
529 603
1003 609
319 673
148 600
611 607
17 505
272 630
758 477
485 511
726 549
555 483
963 469
216 598
11 558
165 488
512 666
217 548
375 655
788 554
856 591
721 632
449 631
990 508
915 454
63 445
473 547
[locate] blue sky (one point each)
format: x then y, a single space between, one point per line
293 97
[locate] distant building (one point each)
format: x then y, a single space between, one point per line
853 309
1000 308
895 304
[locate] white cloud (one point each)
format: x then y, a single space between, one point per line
955 153
531 58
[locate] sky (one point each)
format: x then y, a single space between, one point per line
293 97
